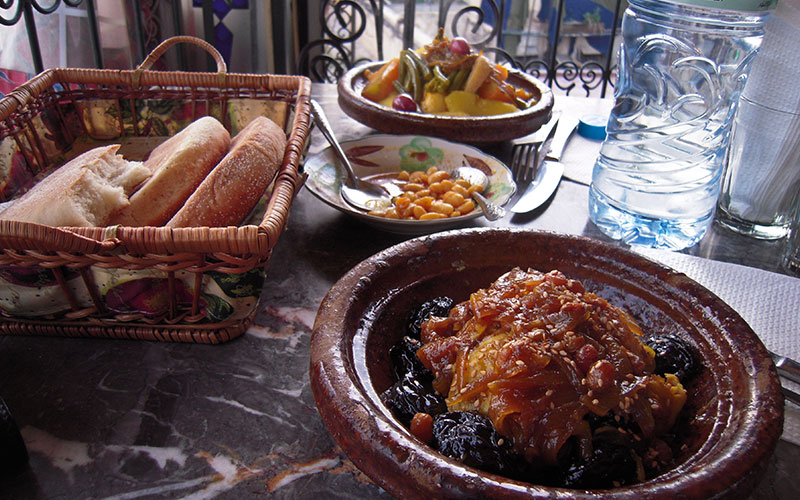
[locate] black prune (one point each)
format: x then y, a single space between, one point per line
403 356
610 420
674 355
471 439
610 465
409 396
440 306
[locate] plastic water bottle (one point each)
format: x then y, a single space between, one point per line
682 67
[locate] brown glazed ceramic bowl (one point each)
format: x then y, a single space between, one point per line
467 129
734 407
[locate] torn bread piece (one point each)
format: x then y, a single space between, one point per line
87 191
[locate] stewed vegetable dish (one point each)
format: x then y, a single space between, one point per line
539 380
446 77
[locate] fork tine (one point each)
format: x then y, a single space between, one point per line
534 165
516 154
513 163
529 160
525 152
519 161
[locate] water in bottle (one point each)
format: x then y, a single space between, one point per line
682 67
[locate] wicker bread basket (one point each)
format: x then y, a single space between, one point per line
156 283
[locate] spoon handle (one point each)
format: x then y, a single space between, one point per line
322 122
490 210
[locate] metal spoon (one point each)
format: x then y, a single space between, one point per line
490 210
362 194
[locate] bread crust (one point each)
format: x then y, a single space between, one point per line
87 191
178 166
233 188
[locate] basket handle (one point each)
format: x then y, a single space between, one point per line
169 42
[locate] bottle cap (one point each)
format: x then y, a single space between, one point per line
593 127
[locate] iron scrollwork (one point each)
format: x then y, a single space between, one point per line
25 10
496 32
343 23
7 5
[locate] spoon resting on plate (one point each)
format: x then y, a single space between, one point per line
490 210
361 194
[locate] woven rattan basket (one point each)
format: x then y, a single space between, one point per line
186 284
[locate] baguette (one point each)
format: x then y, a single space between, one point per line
178 166
236 184
87 191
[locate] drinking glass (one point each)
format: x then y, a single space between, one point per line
762 174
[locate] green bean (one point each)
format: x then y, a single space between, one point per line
458 79
409 75
438 83
416 80
421 64
431 85
399 87
401 69
442 82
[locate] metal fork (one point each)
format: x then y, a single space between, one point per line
789 369
528 152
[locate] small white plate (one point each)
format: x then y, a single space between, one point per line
381 154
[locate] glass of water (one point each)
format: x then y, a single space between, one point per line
762 175
791 260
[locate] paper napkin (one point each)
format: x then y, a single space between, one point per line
767 301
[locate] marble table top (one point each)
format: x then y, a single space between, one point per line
134 419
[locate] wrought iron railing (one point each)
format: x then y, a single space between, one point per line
348 32
14 11
345 25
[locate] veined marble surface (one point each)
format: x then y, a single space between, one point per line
142 420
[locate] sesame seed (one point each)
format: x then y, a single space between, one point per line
549 392
552 405
590 393
463 390
519 362
500 442
595 401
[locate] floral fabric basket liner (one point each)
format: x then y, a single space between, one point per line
187 284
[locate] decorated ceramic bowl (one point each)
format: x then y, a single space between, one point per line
385 154
731 422
468 129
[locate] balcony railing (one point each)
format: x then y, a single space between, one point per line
570 44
